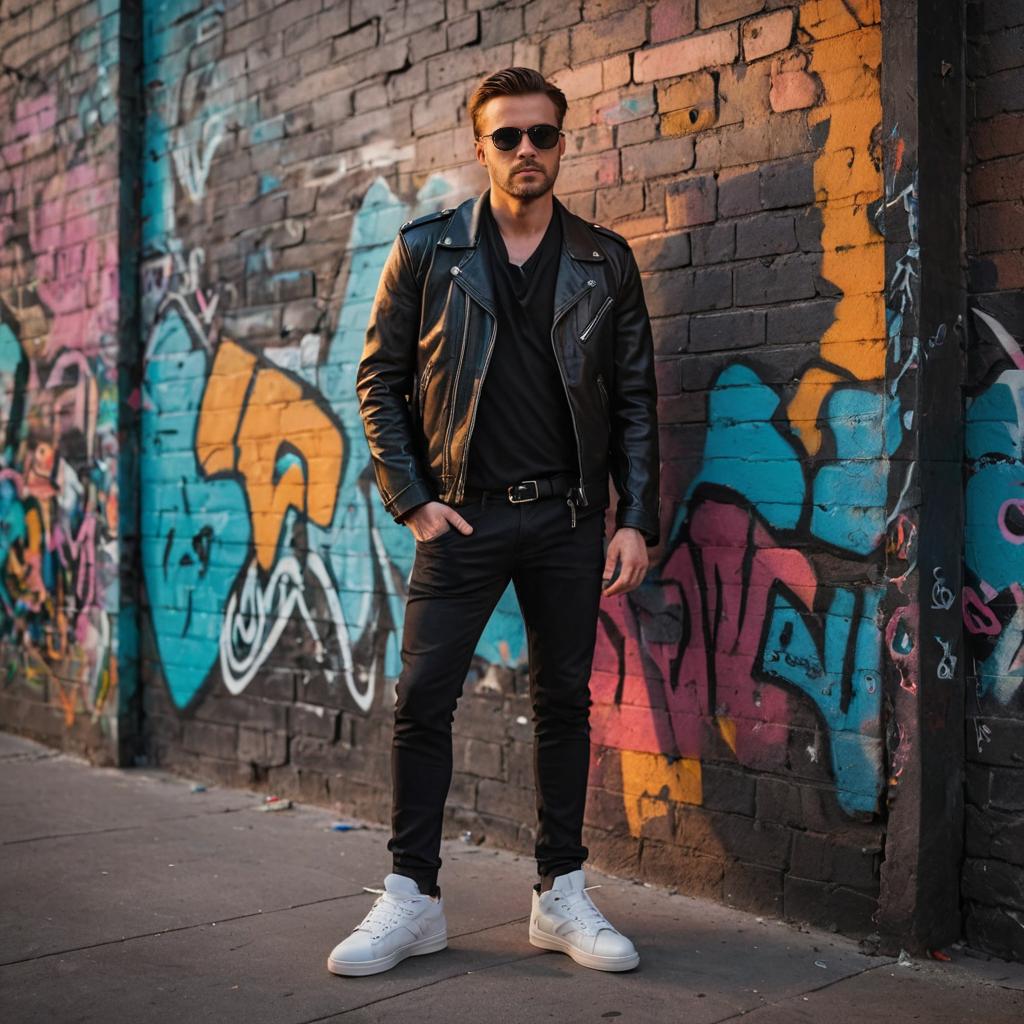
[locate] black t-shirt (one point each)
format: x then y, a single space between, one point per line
523 426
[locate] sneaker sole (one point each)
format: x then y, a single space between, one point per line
598 963
359 968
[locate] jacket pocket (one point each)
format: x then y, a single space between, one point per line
589 329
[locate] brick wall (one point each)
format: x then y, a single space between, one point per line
993 875
737 727
67 287
755 698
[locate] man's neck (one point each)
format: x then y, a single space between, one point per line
522 218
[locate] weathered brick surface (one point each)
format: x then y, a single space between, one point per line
744 170
993 869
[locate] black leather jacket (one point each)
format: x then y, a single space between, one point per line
429 339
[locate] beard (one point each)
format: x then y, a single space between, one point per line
528 186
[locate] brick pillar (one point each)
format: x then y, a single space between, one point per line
922 129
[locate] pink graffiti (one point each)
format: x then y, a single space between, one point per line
1013 536
655 695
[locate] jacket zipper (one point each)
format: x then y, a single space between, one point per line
572 416
460 484
423 387
604 392
455 386
585 333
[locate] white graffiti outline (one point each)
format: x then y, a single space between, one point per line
247 613
942 596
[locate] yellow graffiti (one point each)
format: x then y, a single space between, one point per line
846 56
260 423
650 782
727 728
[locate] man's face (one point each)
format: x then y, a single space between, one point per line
525 171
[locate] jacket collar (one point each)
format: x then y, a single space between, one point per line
578 242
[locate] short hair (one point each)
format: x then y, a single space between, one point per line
514 82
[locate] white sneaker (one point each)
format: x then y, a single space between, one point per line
565 918
402 922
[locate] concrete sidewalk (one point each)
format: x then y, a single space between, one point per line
126 896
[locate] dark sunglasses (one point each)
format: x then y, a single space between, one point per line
543 136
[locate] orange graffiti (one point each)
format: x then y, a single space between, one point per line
846 57
257 421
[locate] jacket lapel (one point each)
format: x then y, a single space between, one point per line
580 248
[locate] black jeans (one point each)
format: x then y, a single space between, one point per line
455 583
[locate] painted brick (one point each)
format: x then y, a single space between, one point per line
689 104
613 203
544 16
464 31
765 234
596 39
671 19
580 81
712 243
717 12
783 279
720 332
787 183
686 55
767 34
654 159
662 252
691 201
738 193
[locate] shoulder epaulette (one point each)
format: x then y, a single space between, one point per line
426 218
608 231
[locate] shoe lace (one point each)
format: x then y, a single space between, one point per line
581 908
388 911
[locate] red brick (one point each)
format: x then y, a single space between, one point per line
997 227
995 180
704 51
652 159
691 201
767 34
717 12
625 31
792 90
671 19
1001 136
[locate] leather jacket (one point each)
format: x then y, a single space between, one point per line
429 340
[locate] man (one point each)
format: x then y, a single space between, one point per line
508 367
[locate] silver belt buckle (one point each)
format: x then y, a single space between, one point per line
520 501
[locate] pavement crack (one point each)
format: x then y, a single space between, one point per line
427 984
178 928
120 828
816 988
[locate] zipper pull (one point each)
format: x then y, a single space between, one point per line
572 511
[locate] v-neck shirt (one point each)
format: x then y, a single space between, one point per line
523 426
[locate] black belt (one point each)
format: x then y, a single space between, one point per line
526 490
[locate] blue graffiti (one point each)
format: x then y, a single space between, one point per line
791 655
196 532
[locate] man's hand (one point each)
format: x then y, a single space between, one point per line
433 518
629 548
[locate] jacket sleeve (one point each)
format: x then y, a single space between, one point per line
384 380
635 460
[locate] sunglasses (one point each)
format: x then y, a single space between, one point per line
543 136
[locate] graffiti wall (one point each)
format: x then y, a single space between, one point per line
737 728
754 698
993 601
63 641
